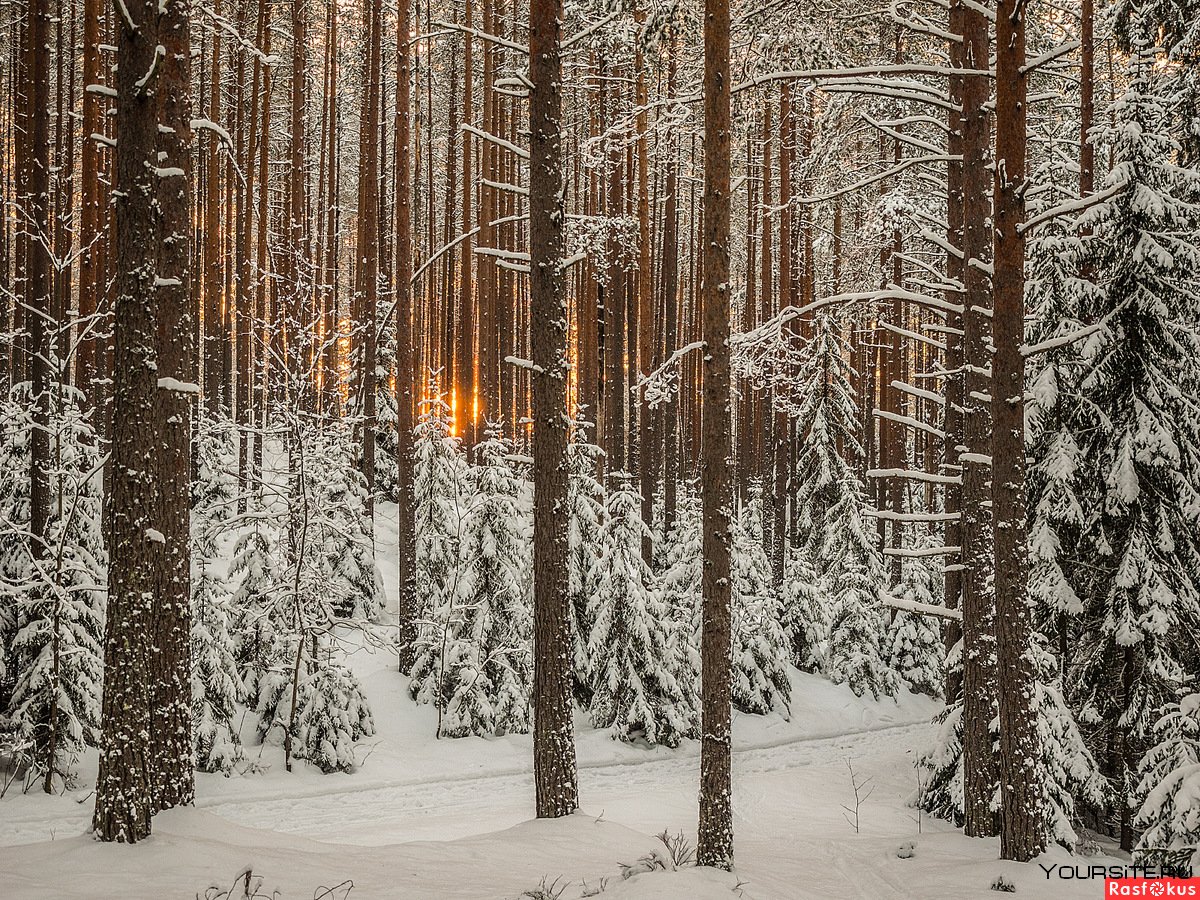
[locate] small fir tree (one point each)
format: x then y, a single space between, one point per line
760 648
635 694
488 670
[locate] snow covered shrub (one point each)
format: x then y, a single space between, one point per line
216 685
488 652
680 587
55 627
804 615
760 648
635 694
1069 773
258 567
1168 791
331 715
585 514
916 651
439 479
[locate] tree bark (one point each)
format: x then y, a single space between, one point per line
978 607
405 370
123 798
1022 831
715 839
172 782
553 734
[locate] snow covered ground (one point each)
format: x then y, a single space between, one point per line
427 818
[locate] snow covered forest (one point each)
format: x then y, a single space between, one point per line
502 430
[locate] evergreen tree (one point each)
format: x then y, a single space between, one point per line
339 527
1069 773
488 653
760 648
1168 791
916 651
585 515
827 414
805 615
1057 293
57 623
438 479
216 685
635 694
680 585
857 654
1139 447
331 715
257 568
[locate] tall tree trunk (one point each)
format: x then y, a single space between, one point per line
952 419
123 797
978 607
367 267
405 370
715 839
172 782
553 734
1022 830
670 281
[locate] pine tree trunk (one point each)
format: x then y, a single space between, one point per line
978 607
670 281
172 782
123 793
1021 821
405 370
715 839
952 420
553 734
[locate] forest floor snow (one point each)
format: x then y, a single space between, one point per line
427 818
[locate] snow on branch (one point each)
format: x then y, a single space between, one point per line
1049 56
904 332
524 364
890 516
512 148
922 609
1061 340
915 475
932 397
482 35
897 169
210 125
661 384
1072 207
920 552
910 422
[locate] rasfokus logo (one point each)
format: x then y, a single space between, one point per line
1152 887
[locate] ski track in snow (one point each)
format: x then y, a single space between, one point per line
393 804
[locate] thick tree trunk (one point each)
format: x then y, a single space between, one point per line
553 734
123 792
172 782
978 607
715 839
1022 831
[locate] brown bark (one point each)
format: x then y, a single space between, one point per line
553 734
405 372
171 779
1022 829
123 798
978 608
714 845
